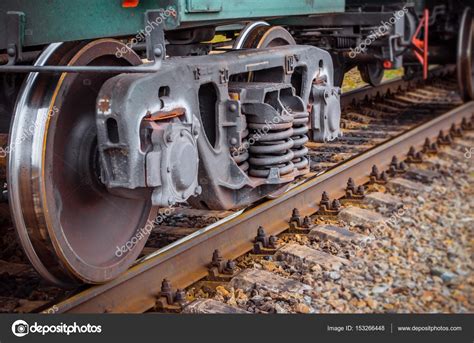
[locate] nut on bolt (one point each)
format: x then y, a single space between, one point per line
413 156
351 187
11 52
336 205
306 222
325 202
168 300
198 191
233 107
158 52
296 217
264 245
219 269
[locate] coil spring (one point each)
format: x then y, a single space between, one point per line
271 148
344 42
300 138
241 154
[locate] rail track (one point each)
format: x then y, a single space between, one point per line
379 124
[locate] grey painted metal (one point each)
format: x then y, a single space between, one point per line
129 99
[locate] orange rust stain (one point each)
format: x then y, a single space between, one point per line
161 115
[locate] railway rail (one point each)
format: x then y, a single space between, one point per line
435 109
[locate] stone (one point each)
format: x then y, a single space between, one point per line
210 306
371 303
422 175
8 304
257 299
302 308
436 162
13 269
356 216
401 185
336 234
379 199
380 289
254 278
280 309
451 154
269 265
311 256
222 291
427 296
444 274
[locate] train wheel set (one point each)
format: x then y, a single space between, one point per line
106 127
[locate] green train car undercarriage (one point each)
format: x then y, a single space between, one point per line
116 108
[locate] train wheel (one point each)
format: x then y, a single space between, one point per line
71 228
244 34
260 35
372 73
465 55
339 69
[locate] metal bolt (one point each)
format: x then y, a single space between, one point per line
261 232
233 107
11 52
306 222
375 172
216 257
233 141
427 143
231 265
393 170
272 241
198 191
325 197
158 52
336 205
350 184
296 213
180 296
165 286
